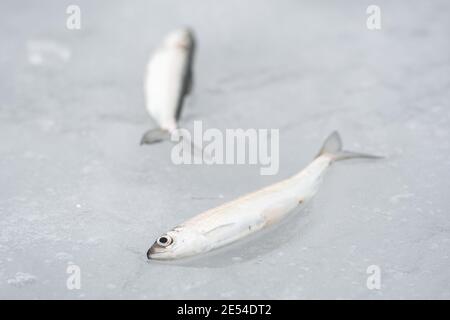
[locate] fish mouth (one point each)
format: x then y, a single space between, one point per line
152 253
155 253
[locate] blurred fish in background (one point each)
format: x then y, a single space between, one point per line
168 80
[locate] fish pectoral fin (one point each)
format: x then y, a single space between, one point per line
221 227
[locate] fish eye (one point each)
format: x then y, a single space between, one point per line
164 241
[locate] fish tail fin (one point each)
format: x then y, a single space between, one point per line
155 135
332 147
196 150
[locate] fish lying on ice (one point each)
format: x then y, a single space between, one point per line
239 218
168 80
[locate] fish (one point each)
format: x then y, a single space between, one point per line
248 214
168 80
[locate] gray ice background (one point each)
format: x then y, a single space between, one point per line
76 187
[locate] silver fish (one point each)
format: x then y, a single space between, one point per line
248 214
168 80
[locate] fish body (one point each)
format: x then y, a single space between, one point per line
248 214
168 80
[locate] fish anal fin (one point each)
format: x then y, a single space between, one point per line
273 215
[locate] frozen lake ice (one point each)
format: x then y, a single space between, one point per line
76 188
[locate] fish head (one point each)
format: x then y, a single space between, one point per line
177 243
181 38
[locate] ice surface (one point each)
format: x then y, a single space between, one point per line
76 187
